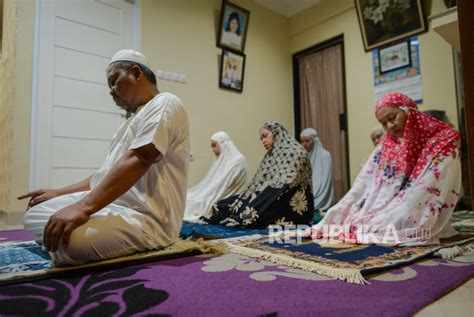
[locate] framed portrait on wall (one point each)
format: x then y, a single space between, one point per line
232 71
394 57
383 22
233 27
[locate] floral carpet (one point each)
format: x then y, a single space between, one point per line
231 285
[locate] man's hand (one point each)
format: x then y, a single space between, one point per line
61 224
39 196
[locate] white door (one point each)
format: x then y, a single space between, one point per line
74 118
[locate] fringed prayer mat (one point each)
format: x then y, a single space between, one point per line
207 231
24 260
463 221
346 262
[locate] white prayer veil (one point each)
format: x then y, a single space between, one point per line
226 177
321 163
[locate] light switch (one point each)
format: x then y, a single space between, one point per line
179 78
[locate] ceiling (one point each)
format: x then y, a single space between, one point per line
287 8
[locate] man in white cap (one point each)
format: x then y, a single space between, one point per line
136 200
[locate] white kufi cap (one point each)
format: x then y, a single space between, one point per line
131 56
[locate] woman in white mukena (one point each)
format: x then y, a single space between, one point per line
226 177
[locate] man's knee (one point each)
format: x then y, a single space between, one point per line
87 243
98 240
77 252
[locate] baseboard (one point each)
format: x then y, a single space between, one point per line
11 219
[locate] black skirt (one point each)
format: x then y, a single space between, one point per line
271 206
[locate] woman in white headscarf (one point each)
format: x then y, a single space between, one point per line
226 177
321 164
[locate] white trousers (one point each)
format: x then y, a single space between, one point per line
112 232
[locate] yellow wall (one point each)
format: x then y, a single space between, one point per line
15 102
6 101
176 36
179 36
331 18
22 102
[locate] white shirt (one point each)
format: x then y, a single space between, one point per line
161 192
232 39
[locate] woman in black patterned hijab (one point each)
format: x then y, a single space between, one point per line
279 193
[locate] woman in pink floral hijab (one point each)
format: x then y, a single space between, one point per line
406 192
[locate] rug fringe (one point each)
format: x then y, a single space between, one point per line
349 275
470 248
213 247
455 251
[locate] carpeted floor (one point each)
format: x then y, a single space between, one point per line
231 285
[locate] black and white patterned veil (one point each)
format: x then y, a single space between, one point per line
286 164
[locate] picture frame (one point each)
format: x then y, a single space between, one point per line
232 71
394 57
389 21
233 27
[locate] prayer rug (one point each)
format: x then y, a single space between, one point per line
25 260
463 221
346 262
207 231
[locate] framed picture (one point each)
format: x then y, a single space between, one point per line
382 22
233 27
394 57
232 70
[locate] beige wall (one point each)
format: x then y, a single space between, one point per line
179 36
6 100
22 102
15 102
331 18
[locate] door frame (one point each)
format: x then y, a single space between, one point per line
337 40
465 11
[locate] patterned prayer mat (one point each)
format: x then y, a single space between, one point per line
346 262
463 221
206 231
25 260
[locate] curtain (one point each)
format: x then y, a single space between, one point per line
322 103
